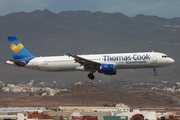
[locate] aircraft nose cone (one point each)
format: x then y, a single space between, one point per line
171 61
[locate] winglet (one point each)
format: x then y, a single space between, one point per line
70 55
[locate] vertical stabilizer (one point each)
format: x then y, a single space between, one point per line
19 52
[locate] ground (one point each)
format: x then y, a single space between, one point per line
94 95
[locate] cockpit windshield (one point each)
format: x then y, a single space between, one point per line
164 56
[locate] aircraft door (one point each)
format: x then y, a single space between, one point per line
154 58
35 63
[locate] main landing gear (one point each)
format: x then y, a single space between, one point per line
91 76
155 73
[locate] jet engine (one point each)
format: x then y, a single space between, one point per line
107 69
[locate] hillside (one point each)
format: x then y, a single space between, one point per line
82 32
94 95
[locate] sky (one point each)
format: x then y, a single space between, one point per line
131 8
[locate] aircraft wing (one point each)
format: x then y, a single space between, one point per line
88 64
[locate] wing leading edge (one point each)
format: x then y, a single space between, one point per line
88 64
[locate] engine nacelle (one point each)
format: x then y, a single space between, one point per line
108 69
113 73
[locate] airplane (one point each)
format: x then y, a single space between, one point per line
102 63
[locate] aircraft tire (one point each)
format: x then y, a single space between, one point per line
155 74
91 76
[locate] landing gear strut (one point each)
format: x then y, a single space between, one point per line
91 76
155 73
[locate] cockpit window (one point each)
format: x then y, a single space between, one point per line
164 56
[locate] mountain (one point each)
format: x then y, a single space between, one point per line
83 32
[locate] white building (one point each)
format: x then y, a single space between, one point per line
112 110
22 116
150 115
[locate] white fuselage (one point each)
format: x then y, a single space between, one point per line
120 61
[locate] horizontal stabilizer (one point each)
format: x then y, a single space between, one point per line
19 63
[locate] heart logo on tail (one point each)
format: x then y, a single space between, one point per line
16 48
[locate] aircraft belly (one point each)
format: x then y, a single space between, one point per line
58 67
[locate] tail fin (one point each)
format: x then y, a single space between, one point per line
19 52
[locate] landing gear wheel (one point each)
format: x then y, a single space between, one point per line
91 76
155 73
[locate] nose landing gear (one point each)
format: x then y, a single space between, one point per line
155 73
